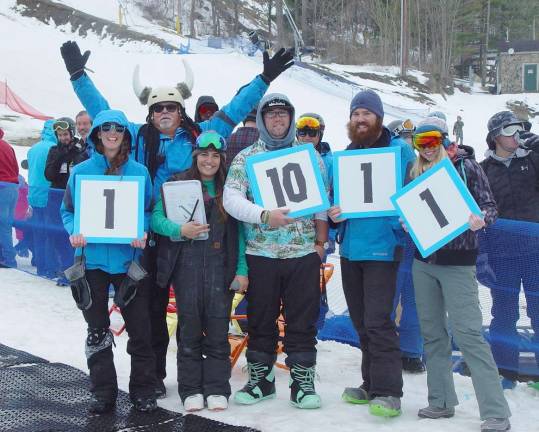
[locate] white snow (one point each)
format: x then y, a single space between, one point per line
41 318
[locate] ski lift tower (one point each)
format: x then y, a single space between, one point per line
298 39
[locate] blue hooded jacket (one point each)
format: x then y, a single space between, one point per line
111 258
176 152
38 190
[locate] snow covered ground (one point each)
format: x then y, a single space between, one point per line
41 318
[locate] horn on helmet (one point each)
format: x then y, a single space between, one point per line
141 93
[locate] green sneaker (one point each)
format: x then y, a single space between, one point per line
385 406
302 393
261 384
355 395
534 385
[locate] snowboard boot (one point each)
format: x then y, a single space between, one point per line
101 406
302 393
356 395
261 384
432 412
413 365
145 404
385 406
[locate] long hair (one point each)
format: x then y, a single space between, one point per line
120 158
220 176
421 164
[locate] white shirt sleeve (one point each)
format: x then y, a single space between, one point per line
239 207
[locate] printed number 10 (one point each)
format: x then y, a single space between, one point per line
288 170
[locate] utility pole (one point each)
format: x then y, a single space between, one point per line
404 36
484 59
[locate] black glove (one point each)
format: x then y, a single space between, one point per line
74 60
275 66
80 289
128 288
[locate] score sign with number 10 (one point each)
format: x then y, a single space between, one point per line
289 178
109 209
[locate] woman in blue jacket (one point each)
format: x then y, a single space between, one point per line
108 264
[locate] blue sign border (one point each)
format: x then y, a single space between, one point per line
140 217
261 157
398 178
447 165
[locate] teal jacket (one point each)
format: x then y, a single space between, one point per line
176 152
111 258
38 185
376 238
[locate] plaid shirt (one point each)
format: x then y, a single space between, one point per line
242 138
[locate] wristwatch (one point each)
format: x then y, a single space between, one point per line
324 245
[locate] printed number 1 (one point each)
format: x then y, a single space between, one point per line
109 208
367 182
426 196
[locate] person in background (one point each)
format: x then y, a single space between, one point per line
403 129
202 272
108 263
83 123
242 137
9 191
512 169
370 250
206 107
458 130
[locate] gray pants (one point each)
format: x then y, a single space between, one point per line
447 297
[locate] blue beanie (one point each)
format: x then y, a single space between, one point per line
369 100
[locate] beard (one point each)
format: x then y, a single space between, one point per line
364 139
165 124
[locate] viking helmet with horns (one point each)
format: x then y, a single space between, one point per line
151 96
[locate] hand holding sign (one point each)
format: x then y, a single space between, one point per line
278 218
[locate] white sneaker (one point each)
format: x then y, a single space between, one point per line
217 403
194 403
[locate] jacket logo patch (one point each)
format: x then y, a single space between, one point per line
524 168
216 245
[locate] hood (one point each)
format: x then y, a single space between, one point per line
47 133
204 100
115 116
519 153
464 152
274 143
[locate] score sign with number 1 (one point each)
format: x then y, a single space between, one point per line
109 209
436 207
288 178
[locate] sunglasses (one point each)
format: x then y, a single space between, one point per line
512 129
307 131
208 139
430 139
165 107
276 113
308 122
109 126
60 125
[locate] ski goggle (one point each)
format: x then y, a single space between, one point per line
308 122
208 139
172 107
429 139
207 109
405 126
511 129
60 125
109 126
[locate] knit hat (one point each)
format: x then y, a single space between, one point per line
369 100
439 115
434 123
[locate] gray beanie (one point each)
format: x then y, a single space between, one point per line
369 100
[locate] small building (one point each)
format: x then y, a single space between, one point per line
518 67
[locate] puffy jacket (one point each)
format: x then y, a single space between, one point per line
61 160
515 187
38 191
463 249
376 238
111 258
9 168
176 152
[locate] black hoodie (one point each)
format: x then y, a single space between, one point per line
204 100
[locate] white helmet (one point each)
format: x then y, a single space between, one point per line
178 94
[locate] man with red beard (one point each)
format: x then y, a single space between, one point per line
370 253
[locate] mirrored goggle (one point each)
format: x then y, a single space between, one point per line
307 131
167 107
211 139
107 127
512 129
405 126
428 139
60 125
207 109
308 122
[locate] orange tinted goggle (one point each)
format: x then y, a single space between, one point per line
307 122
428 139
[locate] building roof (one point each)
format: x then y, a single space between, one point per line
519 46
